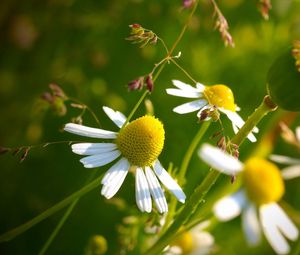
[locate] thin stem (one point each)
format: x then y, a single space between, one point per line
29 224
63 219
183 70
200 192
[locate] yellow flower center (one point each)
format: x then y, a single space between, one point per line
263 181
142 140
185 242
220 96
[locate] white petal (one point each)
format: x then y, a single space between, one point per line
251 225
89 132
111 188
283 222
229 207
92 148
156 191
100 159
183 86
284 159
117 117
190 106
121 165
183 93
290 172
202 242
172 250
297 133
142 194
272 233
220 160
168 181
200 86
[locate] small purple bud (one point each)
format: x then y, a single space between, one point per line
149 83
136 84
187 3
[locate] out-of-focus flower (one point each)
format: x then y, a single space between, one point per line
263 188
137 145
188 3
196 241
97 245
210 101
296 53
264 7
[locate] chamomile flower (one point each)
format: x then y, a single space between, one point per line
196 241
210 100
263 187
136 147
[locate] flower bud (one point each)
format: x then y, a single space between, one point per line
149 83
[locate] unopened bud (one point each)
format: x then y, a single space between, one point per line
136 84
149 83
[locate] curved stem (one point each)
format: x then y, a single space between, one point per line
183 70
29 224
199 194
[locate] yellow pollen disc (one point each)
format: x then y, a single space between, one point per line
142 140
185 242
220 96
263 181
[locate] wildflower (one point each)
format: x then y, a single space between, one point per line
196 241
263 188
210 100
137 145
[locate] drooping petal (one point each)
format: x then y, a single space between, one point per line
100 159
168 181
117 117
190 106
183 86
220 160
89 132
251 225
142 193
121 165
92 148
183 93
290 172
283 222
156 191
109 189
271 231
229 207
284 159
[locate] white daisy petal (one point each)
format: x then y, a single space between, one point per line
283 222
229 207
284 159
92 148
200 86
168 181
297 133
142 193
220 160
100 159
117 117
121 165
251 225
183 93
156 191
89 132
272 233
290 172
111 188
183 86
190 106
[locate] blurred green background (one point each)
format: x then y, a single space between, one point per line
81 46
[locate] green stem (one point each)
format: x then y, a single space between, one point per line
29 224
188 155
183 70
63 219
199 194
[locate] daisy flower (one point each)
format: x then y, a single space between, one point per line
196 241
256 201
210 100
136 147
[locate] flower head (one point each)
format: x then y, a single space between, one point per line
263 188
137 147
210 101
